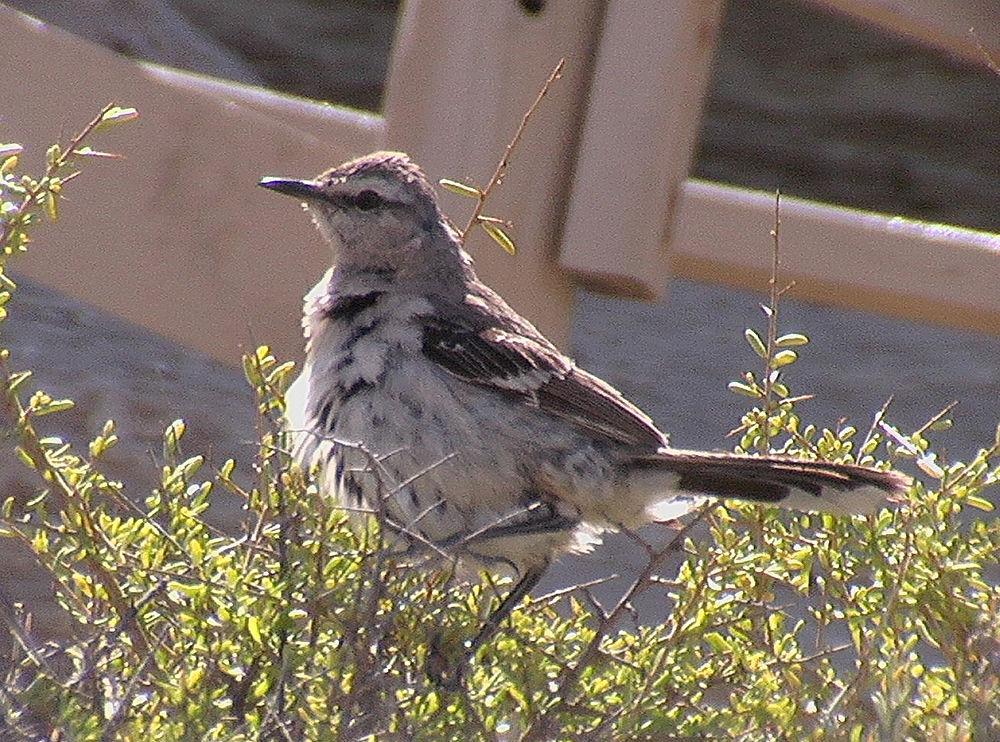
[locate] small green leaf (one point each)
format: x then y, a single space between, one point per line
252 371
197 549
51 206
979 503
17 379
116 115
55 405
745 390
460 188
226 470
174 432
717 642
7 164
791 340
755 342
40 542
25 458
253 626
500 237
784 358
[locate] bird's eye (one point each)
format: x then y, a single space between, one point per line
367 200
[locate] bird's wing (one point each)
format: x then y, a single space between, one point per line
502 352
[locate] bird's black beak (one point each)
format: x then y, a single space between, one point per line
306 190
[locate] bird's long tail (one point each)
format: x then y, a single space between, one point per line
784 482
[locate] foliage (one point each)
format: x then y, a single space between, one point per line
293 625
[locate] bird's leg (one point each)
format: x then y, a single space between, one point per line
448 674
508 604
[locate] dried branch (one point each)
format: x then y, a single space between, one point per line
501 169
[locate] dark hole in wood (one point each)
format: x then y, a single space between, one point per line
532 7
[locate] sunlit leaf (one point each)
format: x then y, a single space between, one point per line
500 237
745 390
784 358
755 342
791 340
116 115
460 188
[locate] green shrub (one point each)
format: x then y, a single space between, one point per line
294 626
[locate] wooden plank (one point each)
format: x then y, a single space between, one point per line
462 75
969 29
894 266
322 121
637 142
178 237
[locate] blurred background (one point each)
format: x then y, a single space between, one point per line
816 104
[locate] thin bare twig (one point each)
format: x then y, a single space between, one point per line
923 428
501 169
772 320
16 220
556 595
879 417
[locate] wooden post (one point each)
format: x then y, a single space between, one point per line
638 141
462 75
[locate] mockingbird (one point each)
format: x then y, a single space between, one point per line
493 446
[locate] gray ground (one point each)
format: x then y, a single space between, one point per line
676 358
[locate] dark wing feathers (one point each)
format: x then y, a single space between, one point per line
475 356
600 408
492 349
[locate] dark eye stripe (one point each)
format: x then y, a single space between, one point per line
367 203
367 200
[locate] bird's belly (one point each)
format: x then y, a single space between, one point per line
452 466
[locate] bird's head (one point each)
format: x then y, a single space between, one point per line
378 211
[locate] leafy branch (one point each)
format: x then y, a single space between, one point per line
46 191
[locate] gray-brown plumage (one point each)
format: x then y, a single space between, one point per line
494 446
